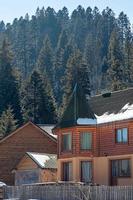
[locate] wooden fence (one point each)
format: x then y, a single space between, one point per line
1 193
68 192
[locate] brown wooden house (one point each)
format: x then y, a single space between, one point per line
95 139
28 138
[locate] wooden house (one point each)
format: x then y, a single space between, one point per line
95 139
28 138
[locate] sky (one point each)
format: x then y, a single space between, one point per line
10 9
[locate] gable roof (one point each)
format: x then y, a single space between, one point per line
28 123
77 108
43 160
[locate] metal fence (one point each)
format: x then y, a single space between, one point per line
68 192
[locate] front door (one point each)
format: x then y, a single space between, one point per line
113 178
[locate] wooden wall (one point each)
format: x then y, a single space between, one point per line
106 135
29 138
104 140
76 151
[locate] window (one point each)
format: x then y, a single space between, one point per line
122 135
67 171
85 141
86 171
121 168
66 142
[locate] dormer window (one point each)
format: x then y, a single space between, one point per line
122 135
66 142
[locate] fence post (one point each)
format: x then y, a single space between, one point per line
1 193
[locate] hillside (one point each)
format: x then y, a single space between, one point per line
51 51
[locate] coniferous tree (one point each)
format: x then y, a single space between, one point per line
52 26
45 59
107 25
93 58
7 122
38 104
88 30
60 65
115 61
21 47
63 17
9 90
77 72
78 26
84 77
126 45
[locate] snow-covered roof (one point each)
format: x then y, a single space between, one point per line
47 161
103 108
48 128
114 107
125 113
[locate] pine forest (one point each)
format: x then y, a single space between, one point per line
43 56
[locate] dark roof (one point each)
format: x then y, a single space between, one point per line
112 104
78 107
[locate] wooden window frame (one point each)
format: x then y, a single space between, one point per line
89 149
62 169
117 142
62 149
121 159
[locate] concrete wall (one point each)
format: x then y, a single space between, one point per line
75 167
101 169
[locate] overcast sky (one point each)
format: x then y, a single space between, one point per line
10 9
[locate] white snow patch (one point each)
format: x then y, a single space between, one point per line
42 159
86 121
2 184
125 107
48 128
125 113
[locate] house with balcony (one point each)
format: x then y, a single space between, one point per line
95 139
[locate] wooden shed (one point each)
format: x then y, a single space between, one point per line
36 168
